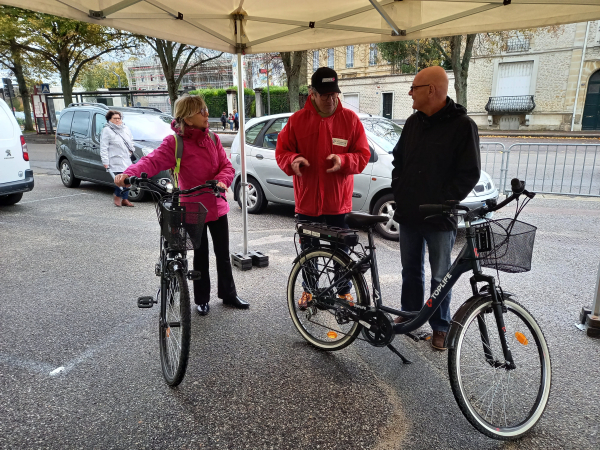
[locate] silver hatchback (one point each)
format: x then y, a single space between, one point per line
372 188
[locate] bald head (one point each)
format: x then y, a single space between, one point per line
435 76
430 90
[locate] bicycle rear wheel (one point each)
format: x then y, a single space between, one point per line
501 403
318 323
174 327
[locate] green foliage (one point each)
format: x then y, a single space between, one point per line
101 76
402 55
280 102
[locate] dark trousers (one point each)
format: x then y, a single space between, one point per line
219 231
412 254
333 220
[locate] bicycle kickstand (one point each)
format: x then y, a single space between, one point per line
404 360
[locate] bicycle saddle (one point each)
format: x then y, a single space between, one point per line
360 220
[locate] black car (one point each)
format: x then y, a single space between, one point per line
78 141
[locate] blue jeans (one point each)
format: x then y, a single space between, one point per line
412 254
123 193
333 220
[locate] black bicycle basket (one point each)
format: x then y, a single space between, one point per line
505 244
182 225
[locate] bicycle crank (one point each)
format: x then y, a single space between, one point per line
378 328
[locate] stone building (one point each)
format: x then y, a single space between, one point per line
527 80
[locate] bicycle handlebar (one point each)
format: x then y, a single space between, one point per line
212 184
451 207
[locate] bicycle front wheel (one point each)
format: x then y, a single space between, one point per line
321 321
174 327
501 402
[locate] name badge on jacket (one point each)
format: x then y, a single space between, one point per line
340 142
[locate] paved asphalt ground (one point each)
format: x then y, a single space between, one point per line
72 266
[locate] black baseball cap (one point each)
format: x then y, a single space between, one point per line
325 80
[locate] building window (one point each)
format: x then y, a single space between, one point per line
349 56
330 63
373 54
315 60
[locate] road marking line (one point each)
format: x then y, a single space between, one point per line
53 198
25 364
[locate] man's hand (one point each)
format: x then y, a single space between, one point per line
106 166
337 163
297 163
120 180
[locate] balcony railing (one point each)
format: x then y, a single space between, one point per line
516 104
517 45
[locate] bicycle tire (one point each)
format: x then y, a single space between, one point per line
520 410
317 331
174 327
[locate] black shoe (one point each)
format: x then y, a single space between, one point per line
236 302
203 309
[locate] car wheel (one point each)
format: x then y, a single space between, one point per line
386 206
11 199
137 194
256 197
67 176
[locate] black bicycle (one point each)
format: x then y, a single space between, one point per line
181 225
498 359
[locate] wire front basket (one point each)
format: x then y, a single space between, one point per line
505 245
182 225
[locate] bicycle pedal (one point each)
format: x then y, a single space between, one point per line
145 302
193 275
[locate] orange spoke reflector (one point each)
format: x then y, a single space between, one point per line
521 338
332 335
169 332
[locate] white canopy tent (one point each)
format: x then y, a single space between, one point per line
258 26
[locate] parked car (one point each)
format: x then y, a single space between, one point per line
16 176
372 188
78 141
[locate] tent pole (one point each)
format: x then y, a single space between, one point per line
242 133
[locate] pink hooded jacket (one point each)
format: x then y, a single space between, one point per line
201 161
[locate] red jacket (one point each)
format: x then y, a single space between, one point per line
307 134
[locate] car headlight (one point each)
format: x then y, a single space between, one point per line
147 150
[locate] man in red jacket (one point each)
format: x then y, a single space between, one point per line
323 145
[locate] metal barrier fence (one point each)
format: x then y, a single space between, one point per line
493 160
561 169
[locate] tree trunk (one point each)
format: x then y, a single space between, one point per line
292 62
173 91
460 66
20 76
65 81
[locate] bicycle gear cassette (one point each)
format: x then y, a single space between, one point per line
378 328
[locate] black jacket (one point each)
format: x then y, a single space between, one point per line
436 159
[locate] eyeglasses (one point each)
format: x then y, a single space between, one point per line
203 111
116 118
331 96
412 88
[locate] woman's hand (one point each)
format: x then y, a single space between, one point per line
105 166
120 180
222 185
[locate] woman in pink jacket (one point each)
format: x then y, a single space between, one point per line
203 159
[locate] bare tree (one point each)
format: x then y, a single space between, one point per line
177 60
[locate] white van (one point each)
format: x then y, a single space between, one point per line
16 175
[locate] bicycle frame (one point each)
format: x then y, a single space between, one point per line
466 261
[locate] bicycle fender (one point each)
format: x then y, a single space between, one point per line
460 315
344 256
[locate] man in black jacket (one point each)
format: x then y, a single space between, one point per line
435 160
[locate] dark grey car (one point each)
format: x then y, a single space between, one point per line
78 141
